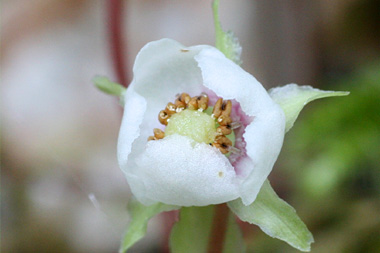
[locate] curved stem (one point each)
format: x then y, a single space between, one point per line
219 228
115 29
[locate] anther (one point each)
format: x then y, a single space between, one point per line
227 108
151 138
217 110
222 143
163 117
158 133
203 102
193 104
180 104
185 98
223 130
224 120
170 109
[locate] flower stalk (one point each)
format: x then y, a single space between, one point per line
115 28
218 229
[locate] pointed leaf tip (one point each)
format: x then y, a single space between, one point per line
292 98
275 217
105 85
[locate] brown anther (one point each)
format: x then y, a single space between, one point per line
158 133
226 108
202 102
223 130
163 117
224 120
151 138
193 104
185 98
179 104
170 109
222 143
217 110
221 149
222 108
223 140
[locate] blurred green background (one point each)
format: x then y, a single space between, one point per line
61 189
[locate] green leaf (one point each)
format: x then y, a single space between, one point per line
234 242
275 217
226 42
191 233
140 215
292 98
105 85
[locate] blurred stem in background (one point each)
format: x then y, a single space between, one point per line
117 45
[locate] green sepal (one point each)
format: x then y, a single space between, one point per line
275 217
140 215
292 98
226 42
105 85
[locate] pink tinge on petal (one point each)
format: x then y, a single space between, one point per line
237 159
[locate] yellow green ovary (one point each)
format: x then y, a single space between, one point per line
196 125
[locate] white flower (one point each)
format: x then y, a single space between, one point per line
177 170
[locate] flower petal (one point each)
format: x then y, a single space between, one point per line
264 135
162 69
292 98
176 170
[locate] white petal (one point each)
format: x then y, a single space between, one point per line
134 109
264 136
162 69
178 171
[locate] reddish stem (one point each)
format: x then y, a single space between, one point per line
115 29
219 228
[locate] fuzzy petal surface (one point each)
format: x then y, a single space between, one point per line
265 134
177 170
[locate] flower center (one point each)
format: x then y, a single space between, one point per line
189 116
196 125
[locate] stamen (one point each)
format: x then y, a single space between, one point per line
170 109
223 130
222 108
203 102
224 120
221 112
193 104
179 104
234 150
222 143
163 117
185 98
158 133
151 138
217 110
234 125
182 101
